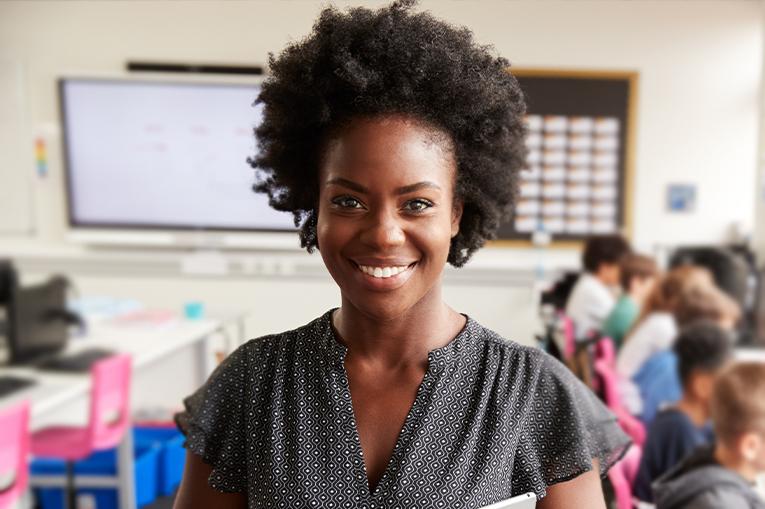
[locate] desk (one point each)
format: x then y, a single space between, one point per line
148 346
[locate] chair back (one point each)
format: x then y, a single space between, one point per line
610 380
606 351
622 476
569 337
109 401
14 452
632 426
629 423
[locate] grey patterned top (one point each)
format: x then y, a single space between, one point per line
491 419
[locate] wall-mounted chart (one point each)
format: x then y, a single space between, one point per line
577 177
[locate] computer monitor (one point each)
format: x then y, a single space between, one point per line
37 322
154 155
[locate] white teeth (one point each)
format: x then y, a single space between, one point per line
382 272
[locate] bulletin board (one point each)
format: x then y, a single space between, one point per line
577 178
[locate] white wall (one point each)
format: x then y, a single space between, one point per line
699 63
759 188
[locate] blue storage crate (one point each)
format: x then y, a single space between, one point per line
102 463
172 454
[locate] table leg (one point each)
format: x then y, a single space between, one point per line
205 358
125 472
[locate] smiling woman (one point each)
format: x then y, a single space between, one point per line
395 141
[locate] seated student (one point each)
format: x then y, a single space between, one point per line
702 349
593 296
656 328
657 382
638 274
723 475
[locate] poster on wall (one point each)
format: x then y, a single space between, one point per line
577 172
681 198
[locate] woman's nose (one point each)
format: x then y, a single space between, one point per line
383 231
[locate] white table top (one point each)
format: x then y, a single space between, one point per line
146 344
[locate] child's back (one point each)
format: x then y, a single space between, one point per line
671 438
701 351
724 476
700 482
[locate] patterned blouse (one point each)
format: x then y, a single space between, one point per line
492 419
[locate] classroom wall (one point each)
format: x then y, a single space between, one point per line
759 188
699 94
699 64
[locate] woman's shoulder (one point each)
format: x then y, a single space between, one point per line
529 363
308 336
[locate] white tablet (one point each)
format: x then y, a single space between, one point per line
525 501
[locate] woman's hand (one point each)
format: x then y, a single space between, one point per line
194 491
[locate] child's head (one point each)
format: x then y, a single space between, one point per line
602 255
670 290
707 302
738 413
638 275
703 349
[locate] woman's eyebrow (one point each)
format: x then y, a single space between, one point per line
353 186
416 187
339 181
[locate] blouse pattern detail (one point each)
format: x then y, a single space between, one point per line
492 419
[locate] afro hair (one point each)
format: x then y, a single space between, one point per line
366 63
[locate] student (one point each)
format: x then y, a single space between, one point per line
637 277
395 140
723 475
657 380
593 296
702 349
656 328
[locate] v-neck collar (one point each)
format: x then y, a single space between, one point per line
438 360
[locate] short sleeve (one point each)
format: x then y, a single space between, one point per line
566 428
214 425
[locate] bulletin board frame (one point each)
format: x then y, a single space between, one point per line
564 87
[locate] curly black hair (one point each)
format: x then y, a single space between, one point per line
364 63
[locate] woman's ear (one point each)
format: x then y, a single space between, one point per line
457 207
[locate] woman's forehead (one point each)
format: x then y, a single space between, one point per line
395 146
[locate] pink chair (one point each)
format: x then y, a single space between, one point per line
14 452
569 337
109 419
622 476
606 351
631 425
610 380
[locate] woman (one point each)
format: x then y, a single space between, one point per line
395 141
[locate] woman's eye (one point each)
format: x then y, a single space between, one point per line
347 202
418 205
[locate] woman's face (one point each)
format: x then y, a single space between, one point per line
387 213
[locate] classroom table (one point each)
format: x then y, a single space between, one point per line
54 391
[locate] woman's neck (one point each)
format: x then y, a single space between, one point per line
398 340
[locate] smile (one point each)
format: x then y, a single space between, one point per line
383 272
